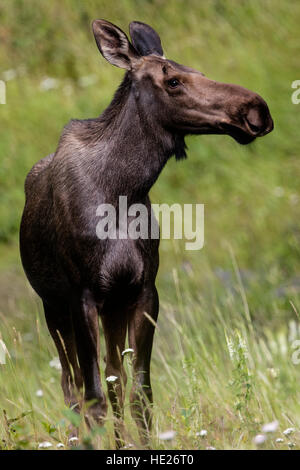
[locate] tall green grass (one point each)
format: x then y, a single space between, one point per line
211 370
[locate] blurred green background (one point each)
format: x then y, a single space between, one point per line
245 282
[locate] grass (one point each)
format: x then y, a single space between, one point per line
224 344
218 373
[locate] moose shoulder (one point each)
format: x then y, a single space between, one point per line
80 277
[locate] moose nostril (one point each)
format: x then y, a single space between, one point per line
254 129
255 120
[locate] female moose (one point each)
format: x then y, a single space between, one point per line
122 152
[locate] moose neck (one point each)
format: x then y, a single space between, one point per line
140 147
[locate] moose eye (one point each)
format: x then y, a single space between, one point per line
173 83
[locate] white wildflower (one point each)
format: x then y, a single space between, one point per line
9 74
259 439
111 378
45 445
230 347
210 448
73 439
3 352
128 446
39 393
49 83
167 435
127 351
279 440
270 427
237 347
87 80
202 433
291 444
55 363
273 372
288 431
60 445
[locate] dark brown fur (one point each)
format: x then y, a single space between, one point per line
122 152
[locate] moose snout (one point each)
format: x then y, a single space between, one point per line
258 119
247 115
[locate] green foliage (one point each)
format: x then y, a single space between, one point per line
73 417
241 381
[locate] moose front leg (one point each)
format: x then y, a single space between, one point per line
86 326
59 322
115 327
141 331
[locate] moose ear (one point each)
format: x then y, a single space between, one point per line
114 44
145 40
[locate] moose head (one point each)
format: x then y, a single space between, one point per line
180 98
